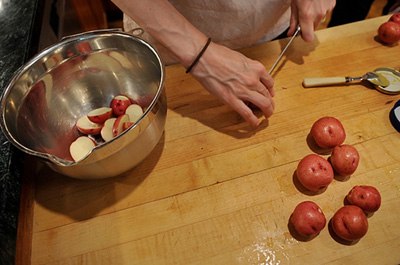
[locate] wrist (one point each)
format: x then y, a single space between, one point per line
189 49
198 56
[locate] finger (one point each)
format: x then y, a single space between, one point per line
294 21
307 30
262 90
272 102
323 20
318 20
245 112
332 5
265 104
268 82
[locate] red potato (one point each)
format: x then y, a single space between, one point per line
366 197
100 115
395 18
345 159
107 130
85 126
118 126
307 219
350 223
314 172
81 147
119 104
389 32
328 132
134 112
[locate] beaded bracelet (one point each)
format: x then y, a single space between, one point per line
198 56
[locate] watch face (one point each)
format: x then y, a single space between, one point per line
394 116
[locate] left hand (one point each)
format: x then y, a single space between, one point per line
236 80
309 14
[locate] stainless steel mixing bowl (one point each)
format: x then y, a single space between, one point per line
40 106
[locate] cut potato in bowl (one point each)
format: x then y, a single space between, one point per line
134 112
100 115
107 130
86 126
119 104
104 123
118 126
81 147
127 124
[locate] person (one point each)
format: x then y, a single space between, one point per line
204 37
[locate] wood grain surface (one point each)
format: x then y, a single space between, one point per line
216 192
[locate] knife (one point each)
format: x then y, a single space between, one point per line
284 50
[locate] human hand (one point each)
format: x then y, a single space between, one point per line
308 14
236 80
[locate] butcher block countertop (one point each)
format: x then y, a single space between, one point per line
216 192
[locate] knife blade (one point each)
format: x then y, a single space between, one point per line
284 50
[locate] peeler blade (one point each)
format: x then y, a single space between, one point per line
284 50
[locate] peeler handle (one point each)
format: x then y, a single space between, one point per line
323 81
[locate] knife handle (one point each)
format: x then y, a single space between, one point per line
323 81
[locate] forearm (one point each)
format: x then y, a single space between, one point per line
225 73
165 24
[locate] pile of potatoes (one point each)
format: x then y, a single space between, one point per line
103 124
389 31
315 173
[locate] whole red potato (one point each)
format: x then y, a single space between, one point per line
395 18
345 159
328 132
366 197
314 172
389 32
350 223
307 219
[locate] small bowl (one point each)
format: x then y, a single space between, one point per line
45 98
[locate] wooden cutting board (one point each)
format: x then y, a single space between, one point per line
215 192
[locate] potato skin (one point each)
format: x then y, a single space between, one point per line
328 132
366 197
350 223
395 18
345 159
314 172
308 219
389 32
119 104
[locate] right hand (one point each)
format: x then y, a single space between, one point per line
236 80
309 14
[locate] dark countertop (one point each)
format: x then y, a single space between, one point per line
19 34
